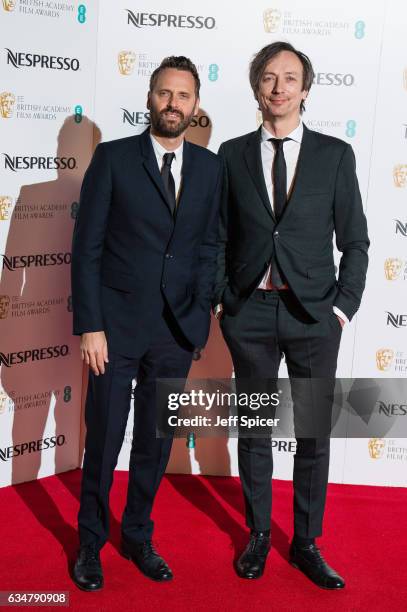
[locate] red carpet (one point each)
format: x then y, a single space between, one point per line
199 529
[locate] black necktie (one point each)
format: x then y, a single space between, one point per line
279 176
168 179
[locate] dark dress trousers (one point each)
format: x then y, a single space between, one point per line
262 326
145 277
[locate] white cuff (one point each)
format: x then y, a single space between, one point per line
341 314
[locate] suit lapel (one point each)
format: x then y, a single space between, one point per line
151 166
187 169
254 164
305 164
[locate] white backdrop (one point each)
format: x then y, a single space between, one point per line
46 112
359 95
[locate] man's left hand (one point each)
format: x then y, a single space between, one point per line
341 321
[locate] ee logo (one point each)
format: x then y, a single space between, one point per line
213 72
81 13
67 394
78 113
350 128
74 209
360 29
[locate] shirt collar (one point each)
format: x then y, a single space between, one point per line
160 151
295 135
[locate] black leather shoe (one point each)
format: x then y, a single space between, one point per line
147 560
309 560
253 560
87 572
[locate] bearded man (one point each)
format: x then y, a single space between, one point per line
143 267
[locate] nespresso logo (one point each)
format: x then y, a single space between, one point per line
397 320
170 21
20 59
34 162
34 446
13 262
35 354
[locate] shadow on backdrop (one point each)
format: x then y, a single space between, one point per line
42 389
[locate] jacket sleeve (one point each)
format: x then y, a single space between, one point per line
208 248
88 240
221 279
351 236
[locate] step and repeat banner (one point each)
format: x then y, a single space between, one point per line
73 74
47 85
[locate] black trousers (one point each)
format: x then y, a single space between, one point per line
169 355
272 323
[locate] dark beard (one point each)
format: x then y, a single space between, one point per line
161 128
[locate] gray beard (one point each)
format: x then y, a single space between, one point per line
162 129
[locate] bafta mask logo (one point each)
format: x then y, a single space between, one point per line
9 5
3 402
376 447
384 359
4 304
7 101
5 207
392 268
271 20
127 61
400 175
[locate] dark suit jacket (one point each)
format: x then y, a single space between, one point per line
325 199
127 247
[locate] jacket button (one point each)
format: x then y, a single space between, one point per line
276 233
167 256
163 285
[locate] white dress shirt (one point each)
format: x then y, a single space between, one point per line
176 166
291 149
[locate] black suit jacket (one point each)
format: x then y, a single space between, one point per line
127 248
325 199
